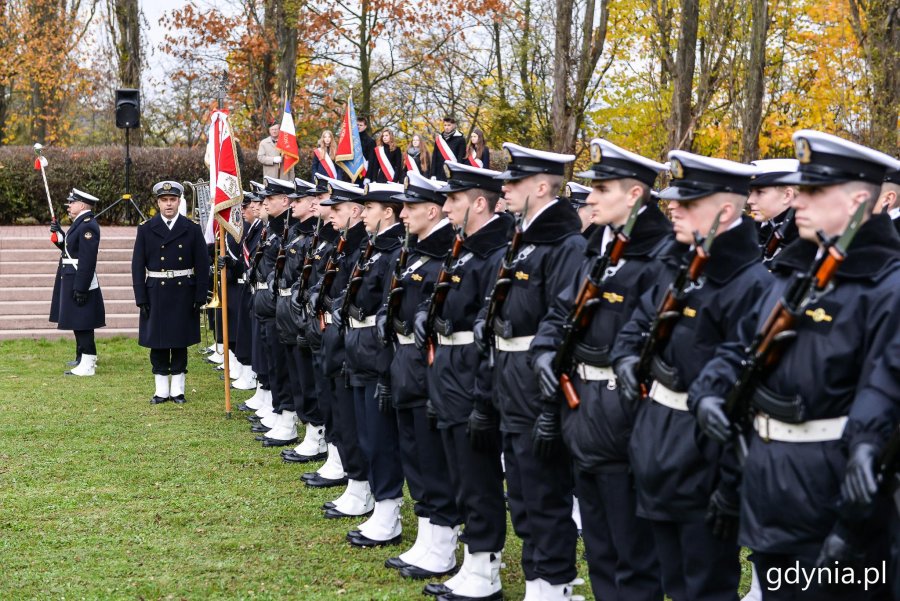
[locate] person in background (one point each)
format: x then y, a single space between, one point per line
417 158
477 152
270 157
387 165
323 157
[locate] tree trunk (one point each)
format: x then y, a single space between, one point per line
365 63
680 133
560 108
286 36
756 83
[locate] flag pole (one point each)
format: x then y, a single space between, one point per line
223 279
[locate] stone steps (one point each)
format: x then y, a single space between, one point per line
39 268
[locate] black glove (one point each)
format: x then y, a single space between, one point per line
336 320
55 227
381 329
225 261
478 331
546 375
837 548
712 419
723 517
860 486
432 416
80 298
419 332
385 398
145 310
296 303
313 298
197 306
626 378
546 436
483 429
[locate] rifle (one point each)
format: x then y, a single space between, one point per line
768 344
582 313
776 238
395 293
442 288
331 269
503 282
258 254
308 259
282 257
357 276
673 302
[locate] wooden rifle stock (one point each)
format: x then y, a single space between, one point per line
331 269
356 278
395 293
441 289
503 283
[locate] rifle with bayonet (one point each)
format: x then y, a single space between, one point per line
258 254
767 346
670 307
395 293
330 273
442 288
776 238
589 296
356 277
308 260
282 256
503 283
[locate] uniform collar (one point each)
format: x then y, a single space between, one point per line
732 251
649 229
556 221
493 235
438 241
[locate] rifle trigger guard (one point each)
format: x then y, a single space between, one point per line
784 336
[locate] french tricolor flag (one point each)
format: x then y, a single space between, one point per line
287 140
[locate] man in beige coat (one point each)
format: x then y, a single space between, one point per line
270 157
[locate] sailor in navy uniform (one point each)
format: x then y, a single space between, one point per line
814 431
538 466
169 273
889 201
577 195
77 303
770 204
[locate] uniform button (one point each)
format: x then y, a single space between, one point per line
163 246
162 283
179 283
179 258
179 246
162 258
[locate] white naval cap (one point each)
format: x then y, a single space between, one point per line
302 189
375 192
826 160
275 186
769 172
612 162
695 176
340 191
168 188
417 188
461 176
525 162
577 194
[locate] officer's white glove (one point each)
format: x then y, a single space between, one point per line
276 160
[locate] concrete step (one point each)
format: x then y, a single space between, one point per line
50 334
46 267
42 243
51 255
33 292
42 307
35 322
45 280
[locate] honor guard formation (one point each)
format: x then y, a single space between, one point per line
670 375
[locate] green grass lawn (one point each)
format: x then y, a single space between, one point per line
103 496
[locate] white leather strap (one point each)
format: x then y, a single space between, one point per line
405 340
368 322
513 345
170 273
456 339
284 292
73 262
669 398
261 286
592 373
816 430
328 319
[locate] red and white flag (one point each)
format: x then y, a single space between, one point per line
326 162
411 165
287 140
444 148
384 163
225 189
474 160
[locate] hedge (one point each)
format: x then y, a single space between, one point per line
101 171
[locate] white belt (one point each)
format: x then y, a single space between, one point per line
70 262
404 340
514 345
592 373
816 430
368 322
242 279
328 318
261 286
170 273
669 398
284 292
456 339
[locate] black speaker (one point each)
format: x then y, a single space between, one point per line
128 109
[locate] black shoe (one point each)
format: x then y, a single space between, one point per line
363 541
335 514
156 400
498 596
309 476
321 482
259 428
179 399
72 363
395 563
274 442
327 505
244 407
417 573
436 589
253 418
296 457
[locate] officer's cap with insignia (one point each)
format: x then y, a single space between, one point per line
275 186
321 185
826 160
577 194
256 190
695 176
418 189
340 191
76 195
248 198
168 188
769 172
609 161
462 177
302 189
892 177
526 162
381 192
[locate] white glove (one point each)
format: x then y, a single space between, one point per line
276 160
